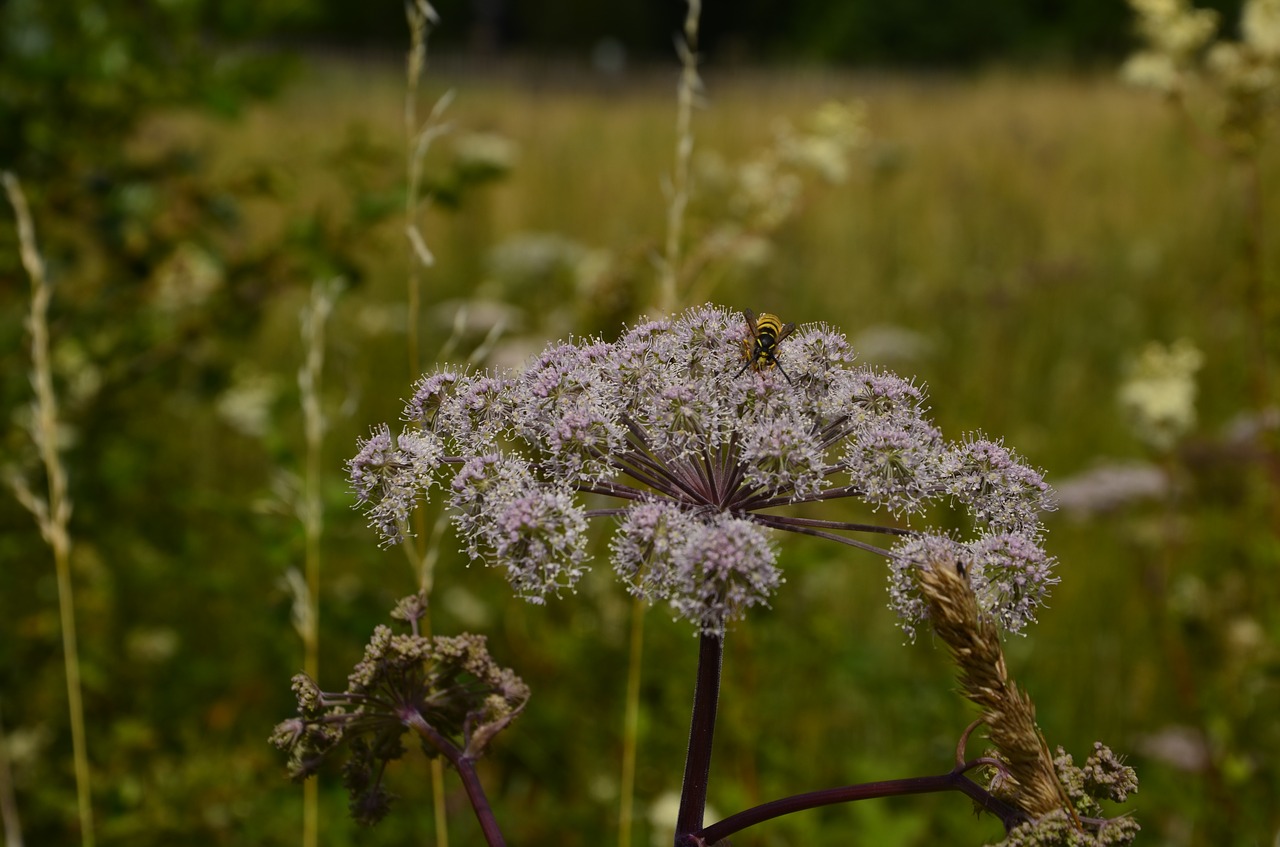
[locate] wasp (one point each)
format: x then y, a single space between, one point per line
761 348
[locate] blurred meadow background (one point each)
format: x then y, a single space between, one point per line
219 195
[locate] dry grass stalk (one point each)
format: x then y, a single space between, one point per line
1008 713
52 513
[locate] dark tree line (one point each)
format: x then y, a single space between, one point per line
855 32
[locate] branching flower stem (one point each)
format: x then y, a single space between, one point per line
779 522
717 481
689 828
466 769
953 780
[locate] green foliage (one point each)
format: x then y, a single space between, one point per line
133 226
77 78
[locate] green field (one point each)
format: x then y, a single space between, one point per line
1012 240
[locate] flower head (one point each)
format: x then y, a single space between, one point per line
1104 776
447 688
699 453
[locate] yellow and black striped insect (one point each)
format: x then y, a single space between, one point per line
761 347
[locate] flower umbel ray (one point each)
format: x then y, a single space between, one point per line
700 458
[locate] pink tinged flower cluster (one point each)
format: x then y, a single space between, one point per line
694 460
1010 574
392 477
706 570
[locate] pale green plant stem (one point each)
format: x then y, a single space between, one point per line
314 320
1257 303
420 16
8 804
678 189
418 140
631 725
53 514
424 567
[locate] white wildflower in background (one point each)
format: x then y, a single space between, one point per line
842 122
488 154
1151 70
379 319
80 373
593 271
152 645
766 193
689 453
1252 64
531 259
1240 69
662 817
889 344
1159 395
1174 28
1174 32
1248 428
467 608
1183 748
1260 26
740 248
476 317
831 136
186 279
1242 76
548 273
765 190
27 747
246 404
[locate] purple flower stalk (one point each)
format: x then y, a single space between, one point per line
695 461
